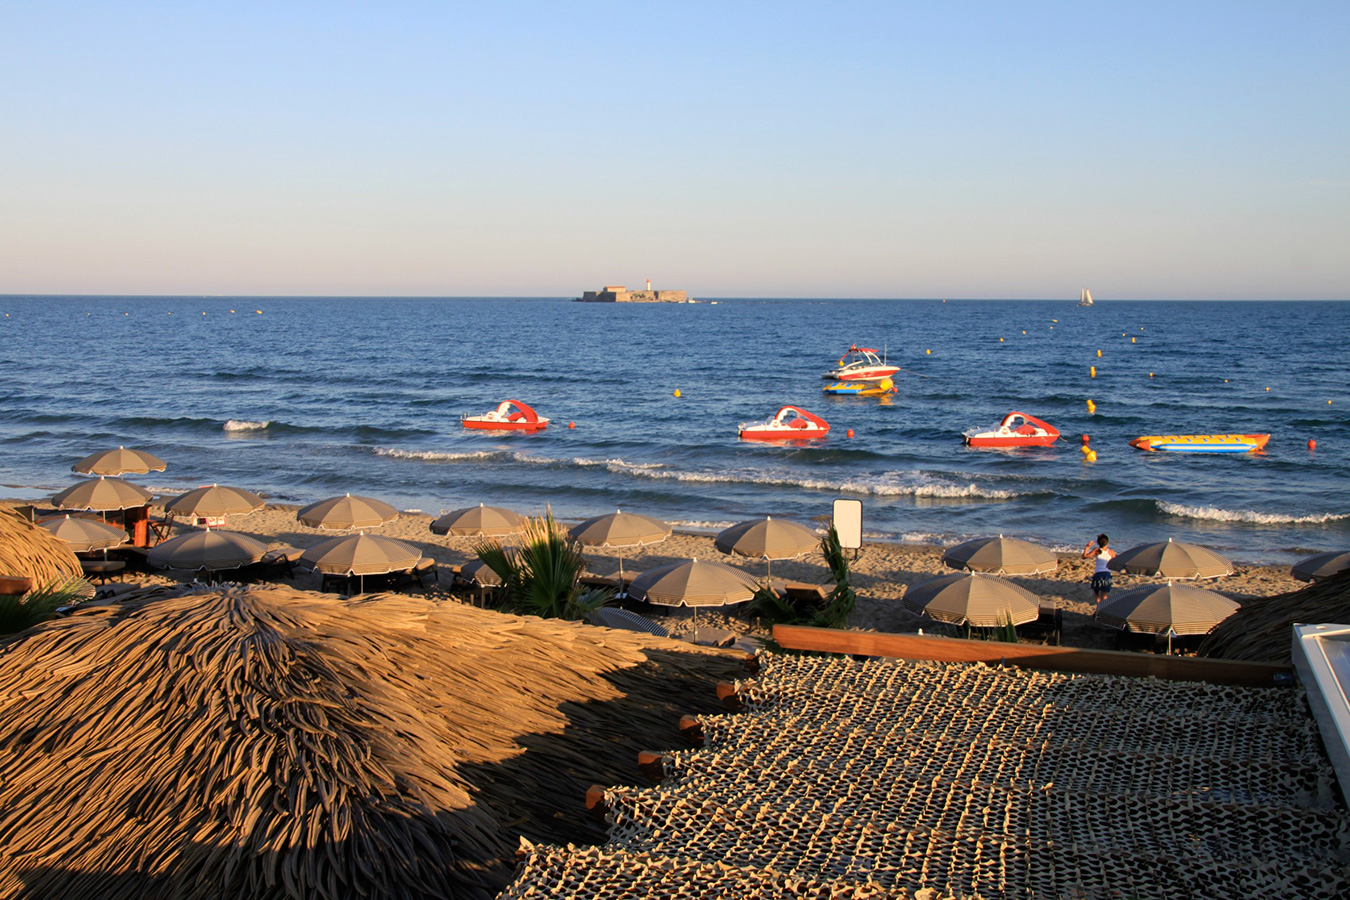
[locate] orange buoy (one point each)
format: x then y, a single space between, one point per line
849 433
571 424
1312 445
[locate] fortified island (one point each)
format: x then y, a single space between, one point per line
617 293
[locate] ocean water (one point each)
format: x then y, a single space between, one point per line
304 398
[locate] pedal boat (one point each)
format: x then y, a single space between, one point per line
1016 430
790 424
862 387
510 415
1202 443
860 363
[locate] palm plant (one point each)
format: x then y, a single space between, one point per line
22 611
542 576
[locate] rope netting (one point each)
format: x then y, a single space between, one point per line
980 782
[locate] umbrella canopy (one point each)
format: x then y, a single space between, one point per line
1172 559
620 529
84 534
207 550
1167 609
361 554
1001 556
1323 565
102 494
214 501
768 538
480 573
119 462
480 521
343 513
695 583
971 598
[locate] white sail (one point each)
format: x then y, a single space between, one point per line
1086 298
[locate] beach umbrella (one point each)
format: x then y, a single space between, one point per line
213 502
620 529
695 584
768 539
480 521
1168 609
211 550
84 535
361 555
1001 556
343 513
971 598
102 495
480 573
1323 565
119 462
1171 559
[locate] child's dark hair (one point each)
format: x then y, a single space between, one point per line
1101 540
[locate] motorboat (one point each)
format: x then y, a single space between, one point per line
510 415
1202 443
792 423
1016 430
861 363
861 387
1085 298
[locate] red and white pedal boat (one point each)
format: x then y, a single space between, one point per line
510 415
792 423
1016 430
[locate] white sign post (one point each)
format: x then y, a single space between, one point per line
848 523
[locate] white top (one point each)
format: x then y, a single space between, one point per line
1104 556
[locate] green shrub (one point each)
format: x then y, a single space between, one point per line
542 576
21 611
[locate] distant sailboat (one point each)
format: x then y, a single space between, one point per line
1086 298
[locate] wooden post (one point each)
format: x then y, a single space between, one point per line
652 764
726 692
692 730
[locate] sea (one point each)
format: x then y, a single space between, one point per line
305 398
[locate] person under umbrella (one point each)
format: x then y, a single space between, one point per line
695 584
768 539
346 513
620 530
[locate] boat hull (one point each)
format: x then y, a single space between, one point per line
487 425
783 434
1201 443
1016 430
1018 440
792 423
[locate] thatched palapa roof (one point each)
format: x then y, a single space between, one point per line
1263 629
275 743
29 551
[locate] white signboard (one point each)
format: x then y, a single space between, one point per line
848 522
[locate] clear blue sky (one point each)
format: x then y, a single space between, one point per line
861 149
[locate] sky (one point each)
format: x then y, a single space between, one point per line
731 149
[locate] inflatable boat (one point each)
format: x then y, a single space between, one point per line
510 415
1016 430
861 387
792 423
1202 443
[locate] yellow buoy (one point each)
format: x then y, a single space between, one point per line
1092 407
1131 340
1092 371
1054 320
259 312
1150 374
929 352
1099 354
1090 455
677 392
1024 331
1267 388
1000 340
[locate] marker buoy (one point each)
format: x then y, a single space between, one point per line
1267 388
677 392
571 424
1150 374
1000 340
1085 440
1090 456
1312 445
1092 407
1099 354
1092 371
1131 340
928 352
849 433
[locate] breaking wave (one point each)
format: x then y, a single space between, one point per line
1215 514
245 425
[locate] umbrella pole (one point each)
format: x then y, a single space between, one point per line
695 624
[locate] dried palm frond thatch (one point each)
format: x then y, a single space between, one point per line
276 743
29 551
1262 630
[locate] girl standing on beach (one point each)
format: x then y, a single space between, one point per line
1101 576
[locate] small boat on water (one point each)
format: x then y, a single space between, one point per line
510 415
1202 443
792 423
1016 430
861 387
1085 299
860 363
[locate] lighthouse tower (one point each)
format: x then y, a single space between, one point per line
649 284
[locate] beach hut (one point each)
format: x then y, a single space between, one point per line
276 743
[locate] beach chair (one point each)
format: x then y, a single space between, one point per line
1049 625
426 566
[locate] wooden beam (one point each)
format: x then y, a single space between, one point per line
726 692
1031 656
652 764
595 800
691 729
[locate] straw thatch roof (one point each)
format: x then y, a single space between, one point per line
33 552
277 743
1262 630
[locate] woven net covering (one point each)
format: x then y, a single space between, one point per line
970 781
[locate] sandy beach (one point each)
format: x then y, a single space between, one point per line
881 574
